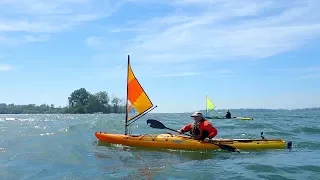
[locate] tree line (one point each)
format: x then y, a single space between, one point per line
80 101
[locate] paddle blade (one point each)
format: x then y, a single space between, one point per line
225 147
229 148
155 124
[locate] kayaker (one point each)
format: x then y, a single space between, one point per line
228 115
201 128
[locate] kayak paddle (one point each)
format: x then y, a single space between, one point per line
158 125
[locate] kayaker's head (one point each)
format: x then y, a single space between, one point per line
197 116
228 110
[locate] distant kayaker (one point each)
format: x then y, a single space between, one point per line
201 128
228 115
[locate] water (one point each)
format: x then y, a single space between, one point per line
64 147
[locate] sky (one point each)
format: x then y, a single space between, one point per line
242 54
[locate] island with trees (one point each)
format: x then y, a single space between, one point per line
80 101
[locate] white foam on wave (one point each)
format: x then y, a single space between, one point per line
11 119
63 129
46 134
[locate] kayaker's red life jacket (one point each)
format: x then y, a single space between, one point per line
201 131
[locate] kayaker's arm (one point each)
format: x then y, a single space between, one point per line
185 128
212 131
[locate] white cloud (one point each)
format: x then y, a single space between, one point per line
127 30
5 40
40 38
5 67
307 77
23 39
222 29
151 71
95 41
297 70
2 56
178 74
46 17
299 73
141 71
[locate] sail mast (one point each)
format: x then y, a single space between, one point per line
126 125
206 106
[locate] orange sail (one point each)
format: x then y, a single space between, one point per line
138 101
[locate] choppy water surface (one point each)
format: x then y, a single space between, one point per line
64 147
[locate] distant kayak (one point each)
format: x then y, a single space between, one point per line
221 117
210 107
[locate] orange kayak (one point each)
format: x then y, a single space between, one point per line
169 141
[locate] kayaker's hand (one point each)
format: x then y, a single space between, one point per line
179 131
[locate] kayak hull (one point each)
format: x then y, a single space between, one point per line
169 141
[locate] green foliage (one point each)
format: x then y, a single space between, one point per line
30 109
80 102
